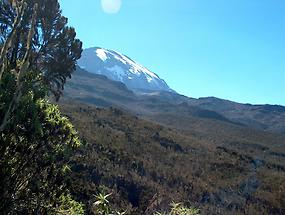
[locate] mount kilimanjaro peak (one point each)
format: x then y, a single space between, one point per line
119 67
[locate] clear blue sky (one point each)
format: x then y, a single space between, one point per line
231 49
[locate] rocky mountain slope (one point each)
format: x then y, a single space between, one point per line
264 117
163 105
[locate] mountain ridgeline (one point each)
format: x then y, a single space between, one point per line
142 92
119 67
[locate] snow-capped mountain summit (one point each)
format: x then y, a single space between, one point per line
119 67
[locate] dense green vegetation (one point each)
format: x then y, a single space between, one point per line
38 53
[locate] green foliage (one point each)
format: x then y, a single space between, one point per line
102 206
178 208
35 153
54 46
68 206
38 52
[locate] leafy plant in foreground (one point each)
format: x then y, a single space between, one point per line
102 205
179 209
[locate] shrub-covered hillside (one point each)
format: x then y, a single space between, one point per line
146 165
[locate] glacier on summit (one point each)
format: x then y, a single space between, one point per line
119 67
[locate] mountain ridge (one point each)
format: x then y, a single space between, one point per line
103 92
119 67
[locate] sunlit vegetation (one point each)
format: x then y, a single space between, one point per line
38 52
